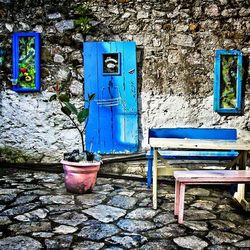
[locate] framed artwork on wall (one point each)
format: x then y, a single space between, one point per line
26 61
111 64
228 82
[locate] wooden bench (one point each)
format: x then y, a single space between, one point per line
191 133
198 177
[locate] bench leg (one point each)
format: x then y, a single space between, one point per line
177 198
155 179
149 177
181 203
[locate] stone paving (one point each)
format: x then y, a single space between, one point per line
36 212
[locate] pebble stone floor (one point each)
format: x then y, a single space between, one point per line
38 213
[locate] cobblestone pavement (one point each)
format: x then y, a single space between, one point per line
37 212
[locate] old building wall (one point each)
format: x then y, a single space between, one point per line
176 42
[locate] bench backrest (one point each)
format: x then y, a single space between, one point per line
194 133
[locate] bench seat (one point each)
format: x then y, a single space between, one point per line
198 177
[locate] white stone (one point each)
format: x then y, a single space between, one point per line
9 27
76 88
142 15
62 229
183 40
64 25
58 58
126 15
54 16
38 28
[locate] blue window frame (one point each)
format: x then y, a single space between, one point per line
228 82
26 61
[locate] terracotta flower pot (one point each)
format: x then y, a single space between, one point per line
80 178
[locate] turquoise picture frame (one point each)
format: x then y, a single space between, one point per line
26 62
228 98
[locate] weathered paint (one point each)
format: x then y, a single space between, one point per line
217 82
113 123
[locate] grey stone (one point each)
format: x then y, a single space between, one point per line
218 237
204 204
7 197
35 215
19 242
57 199
76 56
87 245
69 218
164 218
105 213
135 225
160 245
2 207
128 241
192 214
29 227
122 201
171 230
59 242
243 230
24 199
142 213
98 231
4 220
242 244
196 225
20 209
63 229
43 234
222 224
244 12
58 209
231 217
191 242
198 192
9 191
64 25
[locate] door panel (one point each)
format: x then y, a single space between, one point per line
113 122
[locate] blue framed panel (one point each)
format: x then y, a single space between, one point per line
26 61
228 82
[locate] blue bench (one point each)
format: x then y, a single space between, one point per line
191 133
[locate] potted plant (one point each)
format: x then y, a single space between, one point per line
80 167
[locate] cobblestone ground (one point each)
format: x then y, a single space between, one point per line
37 212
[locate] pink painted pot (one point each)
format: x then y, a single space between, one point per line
80 178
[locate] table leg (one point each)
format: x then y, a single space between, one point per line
155 179
177 197
181 203
240 194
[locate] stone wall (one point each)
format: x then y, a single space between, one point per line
176 42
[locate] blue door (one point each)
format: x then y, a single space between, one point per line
110 73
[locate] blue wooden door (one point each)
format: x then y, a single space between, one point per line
110 73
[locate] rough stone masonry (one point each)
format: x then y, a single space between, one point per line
176 42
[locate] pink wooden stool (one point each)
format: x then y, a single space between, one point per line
198 177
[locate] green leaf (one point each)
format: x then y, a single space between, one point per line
53 97
82 115
71 107
66 111
63 97
91 97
